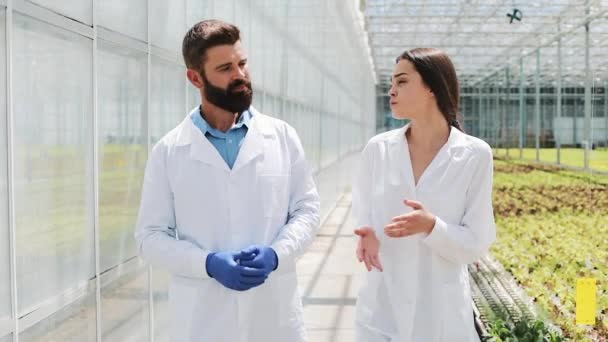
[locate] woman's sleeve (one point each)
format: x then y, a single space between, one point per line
361 209
471 239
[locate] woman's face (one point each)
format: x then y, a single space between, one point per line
409 96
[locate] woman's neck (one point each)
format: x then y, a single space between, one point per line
428 133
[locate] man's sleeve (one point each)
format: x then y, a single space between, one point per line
299 232
155 243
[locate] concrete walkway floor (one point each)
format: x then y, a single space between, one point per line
329 277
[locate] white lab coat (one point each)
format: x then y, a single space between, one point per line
268 198
423 295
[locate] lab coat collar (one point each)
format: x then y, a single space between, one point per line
204 127
260 129
201 149
456 137
399 147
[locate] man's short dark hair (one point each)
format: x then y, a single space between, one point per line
203 36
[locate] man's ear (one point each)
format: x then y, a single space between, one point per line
194 77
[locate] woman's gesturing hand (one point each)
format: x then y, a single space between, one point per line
368 248
417 221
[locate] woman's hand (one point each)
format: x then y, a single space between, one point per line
417 221
368 248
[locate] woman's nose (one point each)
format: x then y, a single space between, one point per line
391 92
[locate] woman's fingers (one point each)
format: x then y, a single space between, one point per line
368 242
394 228
368 261
359 251
363 231
376 262
392 233
400 229
402 218
413 204
397 232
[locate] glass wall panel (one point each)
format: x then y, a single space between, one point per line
53 181
122 158
128 17
80 10
5 288
168 24
167 101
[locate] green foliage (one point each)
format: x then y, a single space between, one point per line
553 230
536 331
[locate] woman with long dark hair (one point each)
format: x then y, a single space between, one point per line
422 202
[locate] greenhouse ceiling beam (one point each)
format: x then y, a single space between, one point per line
443 33
381 3
444 46
399 18
553 39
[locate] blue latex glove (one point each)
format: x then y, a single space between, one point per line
264 258
224 267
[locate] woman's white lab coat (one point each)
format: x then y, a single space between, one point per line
423 295
268 198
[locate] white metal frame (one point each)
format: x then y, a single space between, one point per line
43 310
96 33
11 169
482 45
149 147
96 171
476 34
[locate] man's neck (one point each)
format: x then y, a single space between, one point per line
218 118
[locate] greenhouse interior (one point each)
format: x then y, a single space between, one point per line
89 89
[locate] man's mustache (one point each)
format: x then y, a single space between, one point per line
237 84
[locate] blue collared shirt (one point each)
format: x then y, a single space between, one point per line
229 143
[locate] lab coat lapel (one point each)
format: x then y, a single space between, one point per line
400 171
201 148
442 157
253 144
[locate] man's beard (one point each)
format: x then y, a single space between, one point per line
229 99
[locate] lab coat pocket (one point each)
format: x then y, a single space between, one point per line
183 298
274 195
373 305
457 314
